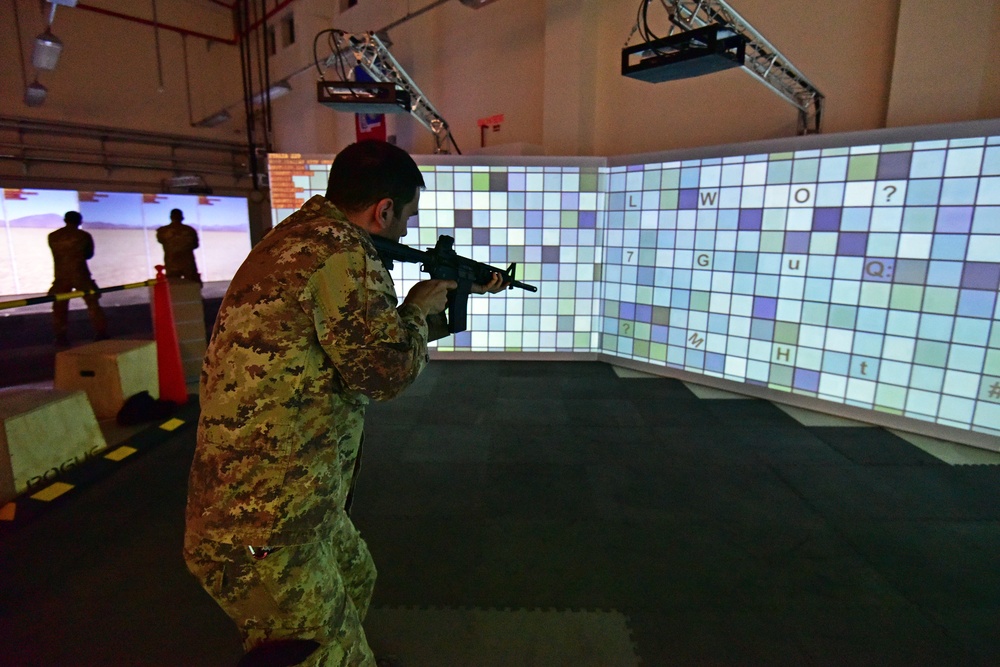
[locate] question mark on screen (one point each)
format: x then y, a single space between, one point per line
626 326
890 194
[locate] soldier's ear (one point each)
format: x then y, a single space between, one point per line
383 213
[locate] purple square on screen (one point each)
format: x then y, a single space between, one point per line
797 242
826 219
643 313
550 254
981 275
532 219
715 362
765 307
463 339
750 218
570 201
688 198
954 219
893 166
852 243
480 237
626 310
806 379
588 219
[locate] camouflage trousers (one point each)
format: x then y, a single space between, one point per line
60 309
319 591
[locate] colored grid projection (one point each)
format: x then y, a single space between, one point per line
864 275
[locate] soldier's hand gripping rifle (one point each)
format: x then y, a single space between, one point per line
443 263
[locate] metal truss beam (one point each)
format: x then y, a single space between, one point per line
763 61
371 53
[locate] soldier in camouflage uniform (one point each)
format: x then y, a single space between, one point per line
179 242
310 331
71 248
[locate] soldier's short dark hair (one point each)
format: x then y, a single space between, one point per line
370 170
73 217
176 211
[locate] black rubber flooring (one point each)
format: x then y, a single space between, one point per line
724 531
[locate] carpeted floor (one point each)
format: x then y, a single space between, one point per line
556 513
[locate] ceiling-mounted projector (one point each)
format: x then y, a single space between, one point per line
685 54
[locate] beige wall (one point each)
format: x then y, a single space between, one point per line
946 65
551 67
107 74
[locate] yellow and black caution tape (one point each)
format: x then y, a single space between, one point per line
62 486
66 296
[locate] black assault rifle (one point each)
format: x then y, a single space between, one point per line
443 263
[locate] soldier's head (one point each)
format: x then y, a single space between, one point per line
72 219
176 215
376 174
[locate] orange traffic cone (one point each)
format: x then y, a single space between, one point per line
168 350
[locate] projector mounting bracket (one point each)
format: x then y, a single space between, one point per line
762 60
372 55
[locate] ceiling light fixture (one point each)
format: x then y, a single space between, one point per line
34 94
274 92
215 119
48 47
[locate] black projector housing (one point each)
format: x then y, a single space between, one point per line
363 96
687 54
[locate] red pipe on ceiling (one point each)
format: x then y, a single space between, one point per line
183 31
231 41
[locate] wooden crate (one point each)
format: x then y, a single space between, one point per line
45 432
110 371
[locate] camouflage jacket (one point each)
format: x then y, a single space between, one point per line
71 248
179 243
308 332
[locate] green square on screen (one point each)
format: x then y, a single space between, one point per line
875 295
919 219
781 376
814 312
786 332
699 300
931 353
481 181
943 300
992 363
890 397
906 297
641 348
772 241
581 339
668 199
671 179
842 316
862 167
805 171
569 219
